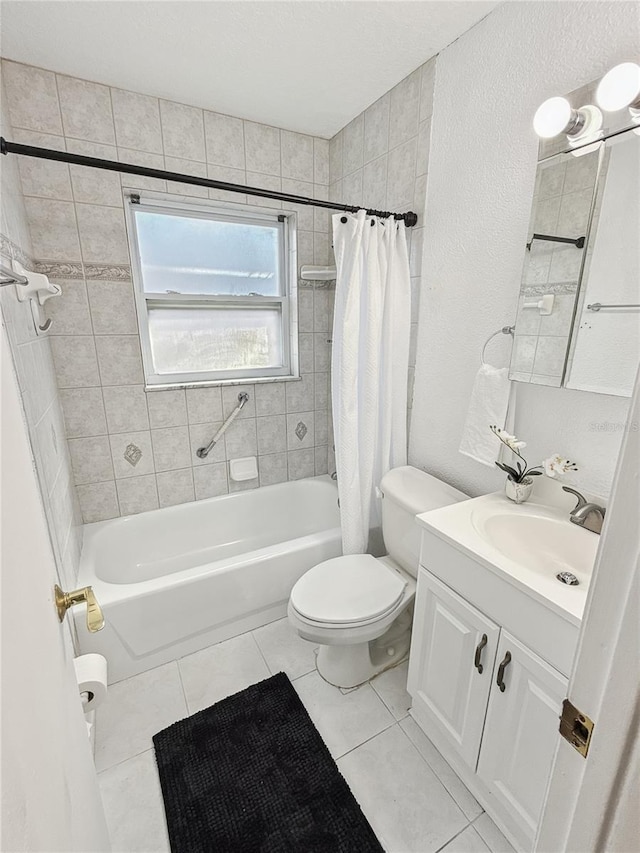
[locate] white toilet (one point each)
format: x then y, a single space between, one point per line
359 608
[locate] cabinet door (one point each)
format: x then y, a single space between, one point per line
520 735
448 689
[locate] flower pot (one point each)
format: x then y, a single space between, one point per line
518 492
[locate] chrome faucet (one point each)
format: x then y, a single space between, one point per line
586 514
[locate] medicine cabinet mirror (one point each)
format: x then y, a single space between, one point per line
578 315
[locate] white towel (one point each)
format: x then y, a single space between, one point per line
489 404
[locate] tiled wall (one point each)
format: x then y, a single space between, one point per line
76 219
380 160
36 378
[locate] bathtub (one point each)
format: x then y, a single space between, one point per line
175 580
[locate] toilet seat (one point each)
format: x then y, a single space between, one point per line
347 591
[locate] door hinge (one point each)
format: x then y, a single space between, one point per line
576 728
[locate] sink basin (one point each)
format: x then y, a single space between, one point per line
543 543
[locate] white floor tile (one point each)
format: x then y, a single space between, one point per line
219 671
284 650
491 835
409 809
344 720
133 806
467 842
391 687
449 778
134 710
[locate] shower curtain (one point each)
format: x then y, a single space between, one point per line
369 366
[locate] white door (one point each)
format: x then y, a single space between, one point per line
450 665
520 734
50 797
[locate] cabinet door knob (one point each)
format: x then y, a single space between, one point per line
503 665
476 661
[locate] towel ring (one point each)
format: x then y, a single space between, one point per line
505 330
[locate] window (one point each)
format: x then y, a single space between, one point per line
215 291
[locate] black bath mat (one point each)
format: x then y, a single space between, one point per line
251 774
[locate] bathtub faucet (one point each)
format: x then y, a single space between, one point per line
203 452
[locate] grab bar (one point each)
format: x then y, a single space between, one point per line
203 452
13 277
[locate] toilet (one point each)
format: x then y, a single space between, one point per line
359 608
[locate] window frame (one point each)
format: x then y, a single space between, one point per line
287 303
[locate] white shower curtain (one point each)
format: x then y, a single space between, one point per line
370 361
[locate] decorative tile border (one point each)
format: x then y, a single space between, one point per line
11 250
76 269
559 288
108 272
60 269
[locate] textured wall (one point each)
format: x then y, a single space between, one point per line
77 225
481 179
33 364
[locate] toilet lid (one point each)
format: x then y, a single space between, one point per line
354 588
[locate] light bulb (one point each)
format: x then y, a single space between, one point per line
552 117
620 88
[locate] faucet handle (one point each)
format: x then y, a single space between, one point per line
582 501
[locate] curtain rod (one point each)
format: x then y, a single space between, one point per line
410 218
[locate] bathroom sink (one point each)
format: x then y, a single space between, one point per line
542 543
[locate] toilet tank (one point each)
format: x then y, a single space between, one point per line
406 492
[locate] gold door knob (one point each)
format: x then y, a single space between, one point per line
65 600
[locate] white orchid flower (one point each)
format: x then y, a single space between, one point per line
557 465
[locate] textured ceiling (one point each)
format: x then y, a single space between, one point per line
306 65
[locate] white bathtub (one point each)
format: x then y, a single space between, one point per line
176 580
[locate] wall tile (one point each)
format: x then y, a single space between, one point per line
321 427
427 73
141 158
401 175
86 110
137 121
126 408
186 167
69 312
83 411
305 310
138 494
321 216
550 355
229 176
305 213
295 441
43 178
171 448
301 463
262 148
75 361
270 398
336 146
305 248
322 352
120 443
199 436
230 400
272 434
353 145
182 130
241 439
306 353
321 460
297 156
103 237
352 188
119 359
320 161
224 140
91 459
405 109
265 182
167 408
300 394
54 232
32 97
112 307
210 481
424 142
376 129
204 405
95 186
374 183
98 502
272 469
321 397
175 487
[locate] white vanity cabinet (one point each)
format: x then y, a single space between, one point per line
488 702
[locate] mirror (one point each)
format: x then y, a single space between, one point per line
583 250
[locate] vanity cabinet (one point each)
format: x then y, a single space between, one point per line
488 702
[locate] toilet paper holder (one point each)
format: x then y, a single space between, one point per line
65 600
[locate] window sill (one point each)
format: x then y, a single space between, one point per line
217 383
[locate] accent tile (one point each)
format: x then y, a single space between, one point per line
220 671
126 408
132 454
175 487
137 494
300 431
86 110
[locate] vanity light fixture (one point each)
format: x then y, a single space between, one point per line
556 115
620 88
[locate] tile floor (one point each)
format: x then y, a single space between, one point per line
412 798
